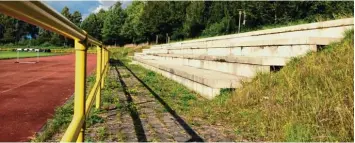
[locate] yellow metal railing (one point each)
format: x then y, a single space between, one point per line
39 14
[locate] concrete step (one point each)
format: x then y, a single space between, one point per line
331 29
138 54
257 42
262 51
205 82
206 65
287 47
270 61
240 66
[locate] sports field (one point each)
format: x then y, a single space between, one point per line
11 55
30 93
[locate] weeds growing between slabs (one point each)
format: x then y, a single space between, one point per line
310 99
54 129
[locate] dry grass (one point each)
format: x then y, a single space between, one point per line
310 99
129 50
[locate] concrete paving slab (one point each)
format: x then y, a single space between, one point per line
209 78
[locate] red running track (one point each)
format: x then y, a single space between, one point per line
29 93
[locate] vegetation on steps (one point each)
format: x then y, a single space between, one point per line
310 99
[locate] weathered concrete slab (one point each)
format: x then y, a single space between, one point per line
206 77
333 29
203 90
285 51
205 82
251 42
271 61
239 69
209 64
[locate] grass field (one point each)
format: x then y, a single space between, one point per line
12 55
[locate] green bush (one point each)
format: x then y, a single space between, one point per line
46 44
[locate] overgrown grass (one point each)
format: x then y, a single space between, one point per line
126 51
60 120
64 114
310 99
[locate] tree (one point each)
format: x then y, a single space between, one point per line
66 13
76 18
90 25
113 23
176 19
44 36
133 27
12 30
143 20
155 18
194 23
93 24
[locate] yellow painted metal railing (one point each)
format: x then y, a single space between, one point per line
39 14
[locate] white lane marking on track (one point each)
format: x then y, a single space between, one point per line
27 82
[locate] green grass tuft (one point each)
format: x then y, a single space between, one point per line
60 120
310 99
64 114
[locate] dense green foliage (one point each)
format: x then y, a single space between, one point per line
178 20
144 21
17 32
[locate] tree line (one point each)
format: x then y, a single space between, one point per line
152 21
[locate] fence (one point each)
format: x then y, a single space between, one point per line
39 14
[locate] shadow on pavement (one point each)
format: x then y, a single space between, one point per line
138 127
194 136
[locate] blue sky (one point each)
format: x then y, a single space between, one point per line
85 7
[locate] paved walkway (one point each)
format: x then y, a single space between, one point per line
146 117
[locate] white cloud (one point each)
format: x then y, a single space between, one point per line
97 9
105 4
84 16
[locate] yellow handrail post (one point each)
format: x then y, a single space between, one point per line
103 68
107 63
108 57
98 76
80 84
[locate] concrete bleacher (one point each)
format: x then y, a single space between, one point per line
210 64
